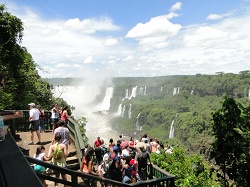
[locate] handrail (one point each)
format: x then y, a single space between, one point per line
166 181
75 135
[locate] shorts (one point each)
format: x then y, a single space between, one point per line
54 120
34 125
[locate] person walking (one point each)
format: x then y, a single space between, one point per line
42 119
34 123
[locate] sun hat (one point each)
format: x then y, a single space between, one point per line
32 104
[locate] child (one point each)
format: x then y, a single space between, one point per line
40 155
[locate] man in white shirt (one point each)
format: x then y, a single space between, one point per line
34 114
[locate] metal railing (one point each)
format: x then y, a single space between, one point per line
159 176
75 135
166 180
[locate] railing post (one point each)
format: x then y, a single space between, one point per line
74 180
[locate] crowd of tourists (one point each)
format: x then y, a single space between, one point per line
125 161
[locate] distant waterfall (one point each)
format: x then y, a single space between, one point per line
145 91
126 93
133 94
106 101
123 110
249 94
171 132
137 127
175 91
129 111
119 111
192 92
161 89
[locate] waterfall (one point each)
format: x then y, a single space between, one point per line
171 133
192 92
174 91
178 90
119 111
129 111
137 122
249 94
145 91
161 89
106 101
123 110
133 94
126 93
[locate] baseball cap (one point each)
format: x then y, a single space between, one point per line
32 104
115 148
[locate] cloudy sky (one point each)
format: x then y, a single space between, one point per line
78 38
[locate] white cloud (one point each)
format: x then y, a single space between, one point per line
85 47
176 6
111 42
214 17
88 60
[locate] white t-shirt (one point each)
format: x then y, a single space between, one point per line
64 132
35 113
40 156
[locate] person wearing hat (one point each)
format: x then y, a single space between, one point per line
115 169
34 123
141 161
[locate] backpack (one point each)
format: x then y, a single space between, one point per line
107 165
143 160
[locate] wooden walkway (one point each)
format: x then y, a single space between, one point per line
46 138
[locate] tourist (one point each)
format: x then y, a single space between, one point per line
141 160
55 116
87 165
97 142
131 143
64 132
34 123
41 119
64 114
40 155
58 153
115 170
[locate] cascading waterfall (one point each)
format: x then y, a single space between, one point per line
145 91
175 91
171 132
126 93
129 111
119 111
133 94
249 94
178 90
161 89
106 101
123 110
137 122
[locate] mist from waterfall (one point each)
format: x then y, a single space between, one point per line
82 98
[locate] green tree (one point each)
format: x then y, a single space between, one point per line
230 148
23 84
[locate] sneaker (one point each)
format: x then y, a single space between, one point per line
38 143
31 143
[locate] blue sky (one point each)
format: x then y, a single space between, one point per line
143 38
